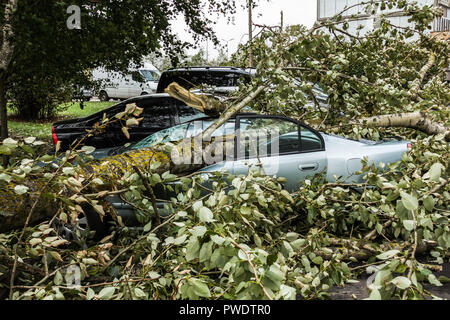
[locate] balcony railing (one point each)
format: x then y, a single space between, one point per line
441 24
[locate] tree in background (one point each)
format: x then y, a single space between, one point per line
42 59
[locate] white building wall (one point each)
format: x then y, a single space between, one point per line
357 16
329 8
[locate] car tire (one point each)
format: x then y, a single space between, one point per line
103 96
89 221
144 93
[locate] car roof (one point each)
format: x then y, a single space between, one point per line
212 68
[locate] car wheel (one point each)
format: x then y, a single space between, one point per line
143 93
103 96
90 221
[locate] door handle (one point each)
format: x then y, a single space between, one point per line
309 166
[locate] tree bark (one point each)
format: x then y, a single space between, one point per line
6 52
422 73
413 120
3 115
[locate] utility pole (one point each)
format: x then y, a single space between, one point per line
207 51
250 34
282 21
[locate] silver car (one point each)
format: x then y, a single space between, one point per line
281 146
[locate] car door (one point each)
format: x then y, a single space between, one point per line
136 84
278 146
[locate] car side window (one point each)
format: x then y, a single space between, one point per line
310 141
265 136
157 114
137 76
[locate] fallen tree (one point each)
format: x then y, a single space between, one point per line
413 120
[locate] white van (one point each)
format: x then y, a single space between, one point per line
118 86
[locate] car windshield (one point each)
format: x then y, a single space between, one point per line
167 135
179 132
150 75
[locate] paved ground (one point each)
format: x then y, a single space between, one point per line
360 289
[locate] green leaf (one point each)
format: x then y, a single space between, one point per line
401 282
198 231
20 189
287 195
90 294
5 150
388 254
192 249
433 280
139 293
206 251
106 293
429 203
408 224
409 202
205 215
58 279
180 240
200 288
5 177
435 171
147 227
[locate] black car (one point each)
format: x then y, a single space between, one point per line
219 77
160 112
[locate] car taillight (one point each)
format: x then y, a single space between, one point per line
409 146
55 138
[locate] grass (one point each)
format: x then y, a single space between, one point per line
42 129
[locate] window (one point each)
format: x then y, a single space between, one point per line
197 127
150 75
260 137
172 134
187 113
226 79
309 140
157 114
136 76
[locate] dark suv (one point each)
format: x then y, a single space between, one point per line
160 112
191 77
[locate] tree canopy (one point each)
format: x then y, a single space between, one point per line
49 57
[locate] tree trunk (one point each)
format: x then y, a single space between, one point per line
413 120
6 52
3 116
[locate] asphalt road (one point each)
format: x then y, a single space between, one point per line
361 291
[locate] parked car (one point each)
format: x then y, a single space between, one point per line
139 81
160 111
225 79
83 94
296 152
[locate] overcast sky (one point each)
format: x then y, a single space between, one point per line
268 12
